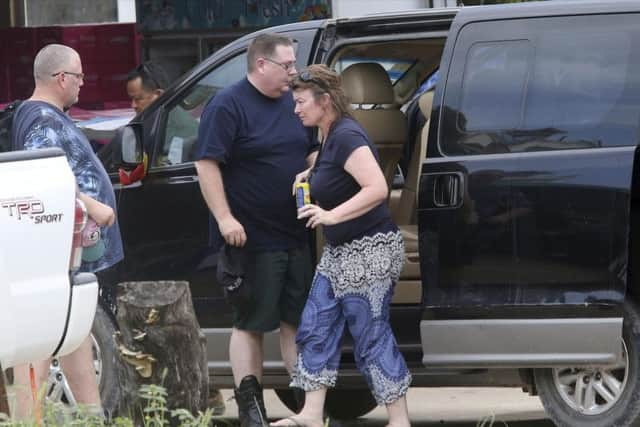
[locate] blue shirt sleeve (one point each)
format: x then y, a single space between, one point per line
219 125
42 136
312 135
346 143
51 132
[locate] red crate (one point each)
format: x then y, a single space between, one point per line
113 83
90 92
20 81
117 43
3 43
104 82
19 45
4 84
116 105
82 38
47 35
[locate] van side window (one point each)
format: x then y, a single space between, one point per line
543 84
183 118
494 72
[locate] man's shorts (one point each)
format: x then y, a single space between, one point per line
279 283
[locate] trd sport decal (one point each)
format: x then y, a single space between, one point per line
29 208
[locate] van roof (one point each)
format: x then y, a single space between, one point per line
544 9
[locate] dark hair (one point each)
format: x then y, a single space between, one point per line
151 74
265 46
321 79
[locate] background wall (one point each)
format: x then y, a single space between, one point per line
65 12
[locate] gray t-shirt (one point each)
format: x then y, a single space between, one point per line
38 124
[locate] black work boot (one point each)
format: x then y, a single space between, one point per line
251 410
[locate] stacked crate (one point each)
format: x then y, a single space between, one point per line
108 53
18 54
119 54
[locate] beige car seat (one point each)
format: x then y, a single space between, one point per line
406 212
368 84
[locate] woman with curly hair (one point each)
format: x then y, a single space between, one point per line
361 261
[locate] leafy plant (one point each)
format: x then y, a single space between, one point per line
155 414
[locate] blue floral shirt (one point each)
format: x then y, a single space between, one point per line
37 125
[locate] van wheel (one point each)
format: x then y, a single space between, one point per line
596 396
104 360
340 404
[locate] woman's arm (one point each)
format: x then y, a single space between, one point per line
363 167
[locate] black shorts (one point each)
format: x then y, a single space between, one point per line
279 284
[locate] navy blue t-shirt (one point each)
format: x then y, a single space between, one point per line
261 145
331 185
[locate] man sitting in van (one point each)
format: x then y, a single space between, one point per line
145 84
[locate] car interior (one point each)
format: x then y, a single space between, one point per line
384 82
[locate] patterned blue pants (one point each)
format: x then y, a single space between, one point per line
353 286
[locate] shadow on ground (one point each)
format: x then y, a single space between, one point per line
221 422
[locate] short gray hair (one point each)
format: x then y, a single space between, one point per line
51 59
265 45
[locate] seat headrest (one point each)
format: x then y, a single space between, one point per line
367 83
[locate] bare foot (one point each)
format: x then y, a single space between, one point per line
297 421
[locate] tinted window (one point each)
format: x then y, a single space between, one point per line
495 71
395 68
183 118
543 84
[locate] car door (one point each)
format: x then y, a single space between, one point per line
163 217
525 193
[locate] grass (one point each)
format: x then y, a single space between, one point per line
154 414
490 421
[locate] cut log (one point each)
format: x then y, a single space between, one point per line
160 343
4 403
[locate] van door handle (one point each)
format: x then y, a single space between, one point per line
447 190
182 179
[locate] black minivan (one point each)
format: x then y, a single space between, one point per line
516 197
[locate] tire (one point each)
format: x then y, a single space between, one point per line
104 354
620 408
340 404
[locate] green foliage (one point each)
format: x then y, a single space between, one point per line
155 410
155 414
187 419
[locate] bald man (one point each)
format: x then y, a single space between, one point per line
41 122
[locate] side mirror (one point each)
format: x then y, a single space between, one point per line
134 160
131 148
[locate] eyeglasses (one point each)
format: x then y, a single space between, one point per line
76 75
288 66
143 70
306 77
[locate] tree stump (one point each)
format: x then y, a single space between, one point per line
4 403
160 343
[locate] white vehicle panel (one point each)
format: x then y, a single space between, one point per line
35 209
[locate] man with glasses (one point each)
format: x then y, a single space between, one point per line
250 148
41 122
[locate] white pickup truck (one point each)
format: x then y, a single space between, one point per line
46 309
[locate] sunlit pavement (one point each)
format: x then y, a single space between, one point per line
453 407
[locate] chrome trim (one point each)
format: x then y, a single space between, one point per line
481 343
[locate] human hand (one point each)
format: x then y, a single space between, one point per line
316 216
301 177
102 214
232 231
